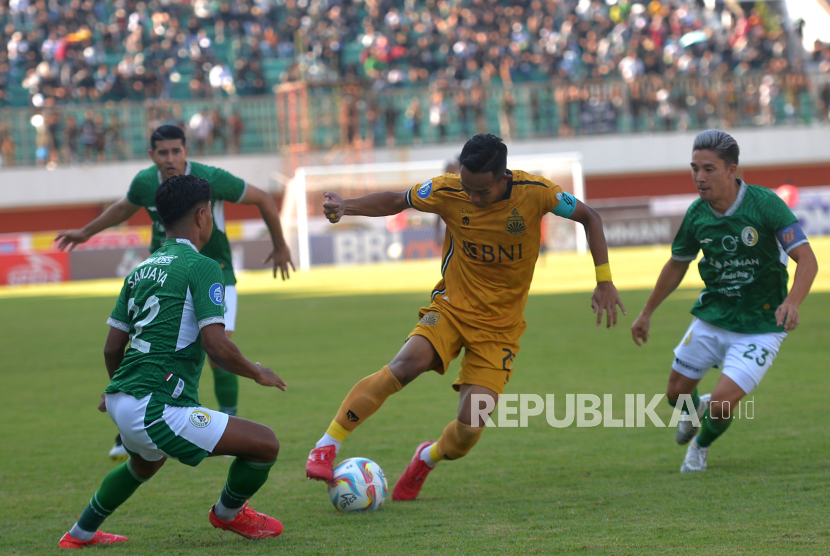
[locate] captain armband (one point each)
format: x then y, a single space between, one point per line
791 237
566 206
603 272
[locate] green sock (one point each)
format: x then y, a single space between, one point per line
226 386
117 487
695 400
711 429
244 479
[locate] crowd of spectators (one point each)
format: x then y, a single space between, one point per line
596 66
58 51
63 138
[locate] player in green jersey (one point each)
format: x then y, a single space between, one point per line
168 150
744 313
170 313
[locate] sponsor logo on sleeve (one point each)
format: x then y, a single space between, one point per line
216 294
425 189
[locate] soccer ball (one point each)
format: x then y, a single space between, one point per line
359 484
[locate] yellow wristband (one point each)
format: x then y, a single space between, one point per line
603 272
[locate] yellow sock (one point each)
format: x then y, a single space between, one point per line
363 400
456 441
433 453
337 432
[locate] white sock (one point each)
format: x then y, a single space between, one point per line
425 457
224 513
78 533
328 440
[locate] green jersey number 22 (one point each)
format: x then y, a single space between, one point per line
152 305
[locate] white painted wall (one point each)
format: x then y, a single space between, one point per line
602 155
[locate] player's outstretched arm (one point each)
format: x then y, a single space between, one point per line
605 297
670 277
116 214
280 256
225 354
805 273
374 204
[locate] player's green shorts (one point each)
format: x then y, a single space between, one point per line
154 430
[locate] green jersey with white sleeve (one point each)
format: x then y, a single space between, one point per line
224 187
164 304
744 266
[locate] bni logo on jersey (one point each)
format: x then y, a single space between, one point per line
216 294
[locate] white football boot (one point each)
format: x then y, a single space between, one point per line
695 458
118 452
685 430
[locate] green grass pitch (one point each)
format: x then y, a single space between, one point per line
534 490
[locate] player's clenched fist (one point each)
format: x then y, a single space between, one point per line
333 207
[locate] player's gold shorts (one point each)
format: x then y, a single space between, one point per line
488 356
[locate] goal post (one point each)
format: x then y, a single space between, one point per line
410 235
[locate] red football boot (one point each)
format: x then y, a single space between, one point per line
410 483
68 541
248 523
320 464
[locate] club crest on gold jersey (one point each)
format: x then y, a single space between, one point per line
516 224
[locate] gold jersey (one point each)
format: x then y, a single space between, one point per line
489 254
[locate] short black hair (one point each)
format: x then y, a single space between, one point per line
177 196
166 133
485 153
720 143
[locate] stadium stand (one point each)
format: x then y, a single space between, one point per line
418 71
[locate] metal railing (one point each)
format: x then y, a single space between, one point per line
354 115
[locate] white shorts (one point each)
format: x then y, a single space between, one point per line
745 358
154 430
230 308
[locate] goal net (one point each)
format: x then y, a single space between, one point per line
314 241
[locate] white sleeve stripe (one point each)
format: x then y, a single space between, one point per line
683 259
244 192
118 325
211 320
794 245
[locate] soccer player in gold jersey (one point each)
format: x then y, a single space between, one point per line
493 217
